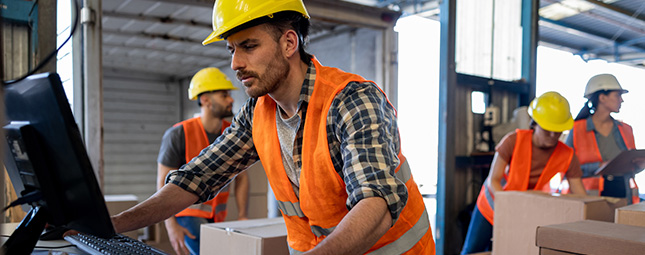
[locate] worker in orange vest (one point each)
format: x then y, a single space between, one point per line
526 160
327 139
597 137
184 141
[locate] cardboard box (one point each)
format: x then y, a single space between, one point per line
249 237
631 215
518 214
547 251
592 237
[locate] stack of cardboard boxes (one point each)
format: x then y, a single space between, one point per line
541 223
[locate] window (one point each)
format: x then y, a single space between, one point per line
418 102
64 64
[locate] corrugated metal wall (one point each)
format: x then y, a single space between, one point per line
137 111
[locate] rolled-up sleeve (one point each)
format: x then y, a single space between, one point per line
365 126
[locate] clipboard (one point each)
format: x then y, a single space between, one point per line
622 164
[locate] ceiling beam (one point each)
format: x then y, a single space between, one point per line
151 35
164 20
157 66
126 65
351 13
219 57
569 29
617 9
595 15
199 3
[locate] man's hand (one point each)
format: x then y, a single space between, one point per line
176 234
70 232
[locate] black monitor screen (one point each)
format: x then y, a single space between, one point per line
46 154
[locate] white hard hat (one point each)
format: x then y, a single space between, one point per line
602 82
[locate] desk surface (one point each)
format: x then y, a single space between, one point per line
42 247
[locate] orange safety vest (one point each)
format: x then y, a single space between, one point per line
586 148
520 170
322 191
196 140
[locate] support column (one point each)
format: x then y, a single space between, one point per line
92 85
446 209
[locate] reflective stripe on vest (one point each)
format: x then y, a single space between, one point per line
407 240
519 171
404 174
293 251
290 209
321 205
195 140
321 232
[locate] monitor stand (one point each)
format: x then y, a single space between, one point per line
53 233
24 238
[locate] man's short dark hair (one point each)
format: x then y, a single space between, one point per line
279 23
199 97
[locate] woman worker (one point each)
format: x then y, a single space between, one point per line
597 138
526 160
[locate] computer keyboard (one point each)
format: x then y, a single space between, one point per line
118 244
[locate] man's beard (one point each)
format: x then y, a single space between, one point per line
221 112
275 73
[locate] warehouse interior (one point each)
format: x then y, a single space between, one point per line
129 64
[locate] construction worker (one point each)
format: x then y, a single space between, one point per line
328 141
597 137
526 160
184 141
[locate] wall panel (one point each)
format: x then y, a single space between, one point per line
137 111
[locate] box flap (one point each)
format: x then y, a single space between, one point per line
634 207
631 215
263 228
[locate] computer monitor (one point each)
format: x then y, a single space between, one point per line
45 156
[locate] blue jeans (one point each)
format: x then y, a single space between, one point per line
480 231
193 225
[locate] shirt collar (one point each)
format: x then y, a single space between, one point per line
308 84
592 127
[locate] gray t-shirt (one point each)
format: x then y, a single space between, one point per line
607 146
287 129
172 152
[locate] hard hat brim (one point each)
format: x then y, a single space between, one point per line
622 91
213 37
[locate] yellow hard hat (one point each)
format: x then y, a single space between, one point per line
602 82
228 14
208 79
551 111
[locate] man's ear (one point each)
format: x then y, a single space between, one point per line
203 99
290 43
